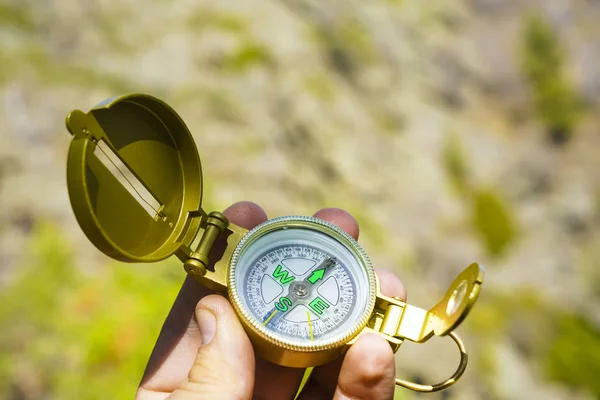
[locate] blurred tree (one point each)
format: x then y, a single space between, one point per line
555 100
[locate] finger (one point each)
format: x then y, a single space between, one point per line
284 381
323 381
179 339
368 371
390 285
342 219
224 365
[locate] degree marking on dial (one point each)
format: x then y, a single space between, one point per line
330 290
298 266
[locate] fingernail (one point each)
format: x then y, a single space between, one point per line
207 324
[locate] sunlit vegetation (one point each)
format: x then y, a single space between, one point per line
493 221
455 163
67 335
246 56
491 216
554 97
562 344
574 355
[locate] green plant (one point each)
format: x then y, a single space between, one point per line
455 163
493 221
554 98
17 16
246 56
574 356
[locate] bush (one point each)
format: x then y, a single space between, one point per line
554 98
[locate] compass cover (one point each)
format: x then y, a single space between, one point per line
134 178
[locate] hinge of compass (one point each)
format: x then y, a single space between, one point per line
394 318
196 262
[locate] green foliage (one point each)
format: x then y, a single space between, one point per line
247 56
17 16
566 344
493 221
389 123
490 214
355 35
48 71
574 357
555 100
455 163
590 266
496 311
68 336
489 318
348 46
227 22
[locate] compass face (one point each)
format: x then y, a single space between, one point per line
302 285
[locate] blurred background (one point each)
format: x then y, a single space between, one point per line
454 131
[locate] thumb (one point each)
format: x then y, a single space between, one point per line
224 366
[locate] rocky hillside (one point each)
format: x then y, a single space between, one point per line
453 130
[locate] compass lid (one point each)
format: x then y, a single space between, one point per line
134 178
458 301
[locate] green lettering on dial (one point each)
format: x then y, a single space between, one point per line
283 304
283 275
318 305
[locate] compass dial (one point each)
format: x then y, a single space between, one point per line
302 285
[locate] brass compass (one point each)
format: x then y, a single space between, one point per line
303 289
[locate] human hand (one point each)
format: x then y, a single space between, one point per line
203 352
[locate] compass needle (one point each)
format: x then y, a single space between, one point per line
310 327
270 317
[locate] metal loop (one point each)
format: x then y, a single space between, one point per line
462 366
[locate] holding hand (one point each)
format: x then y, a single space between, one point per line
204 353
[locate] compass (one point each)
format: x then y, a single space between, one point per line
303 289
